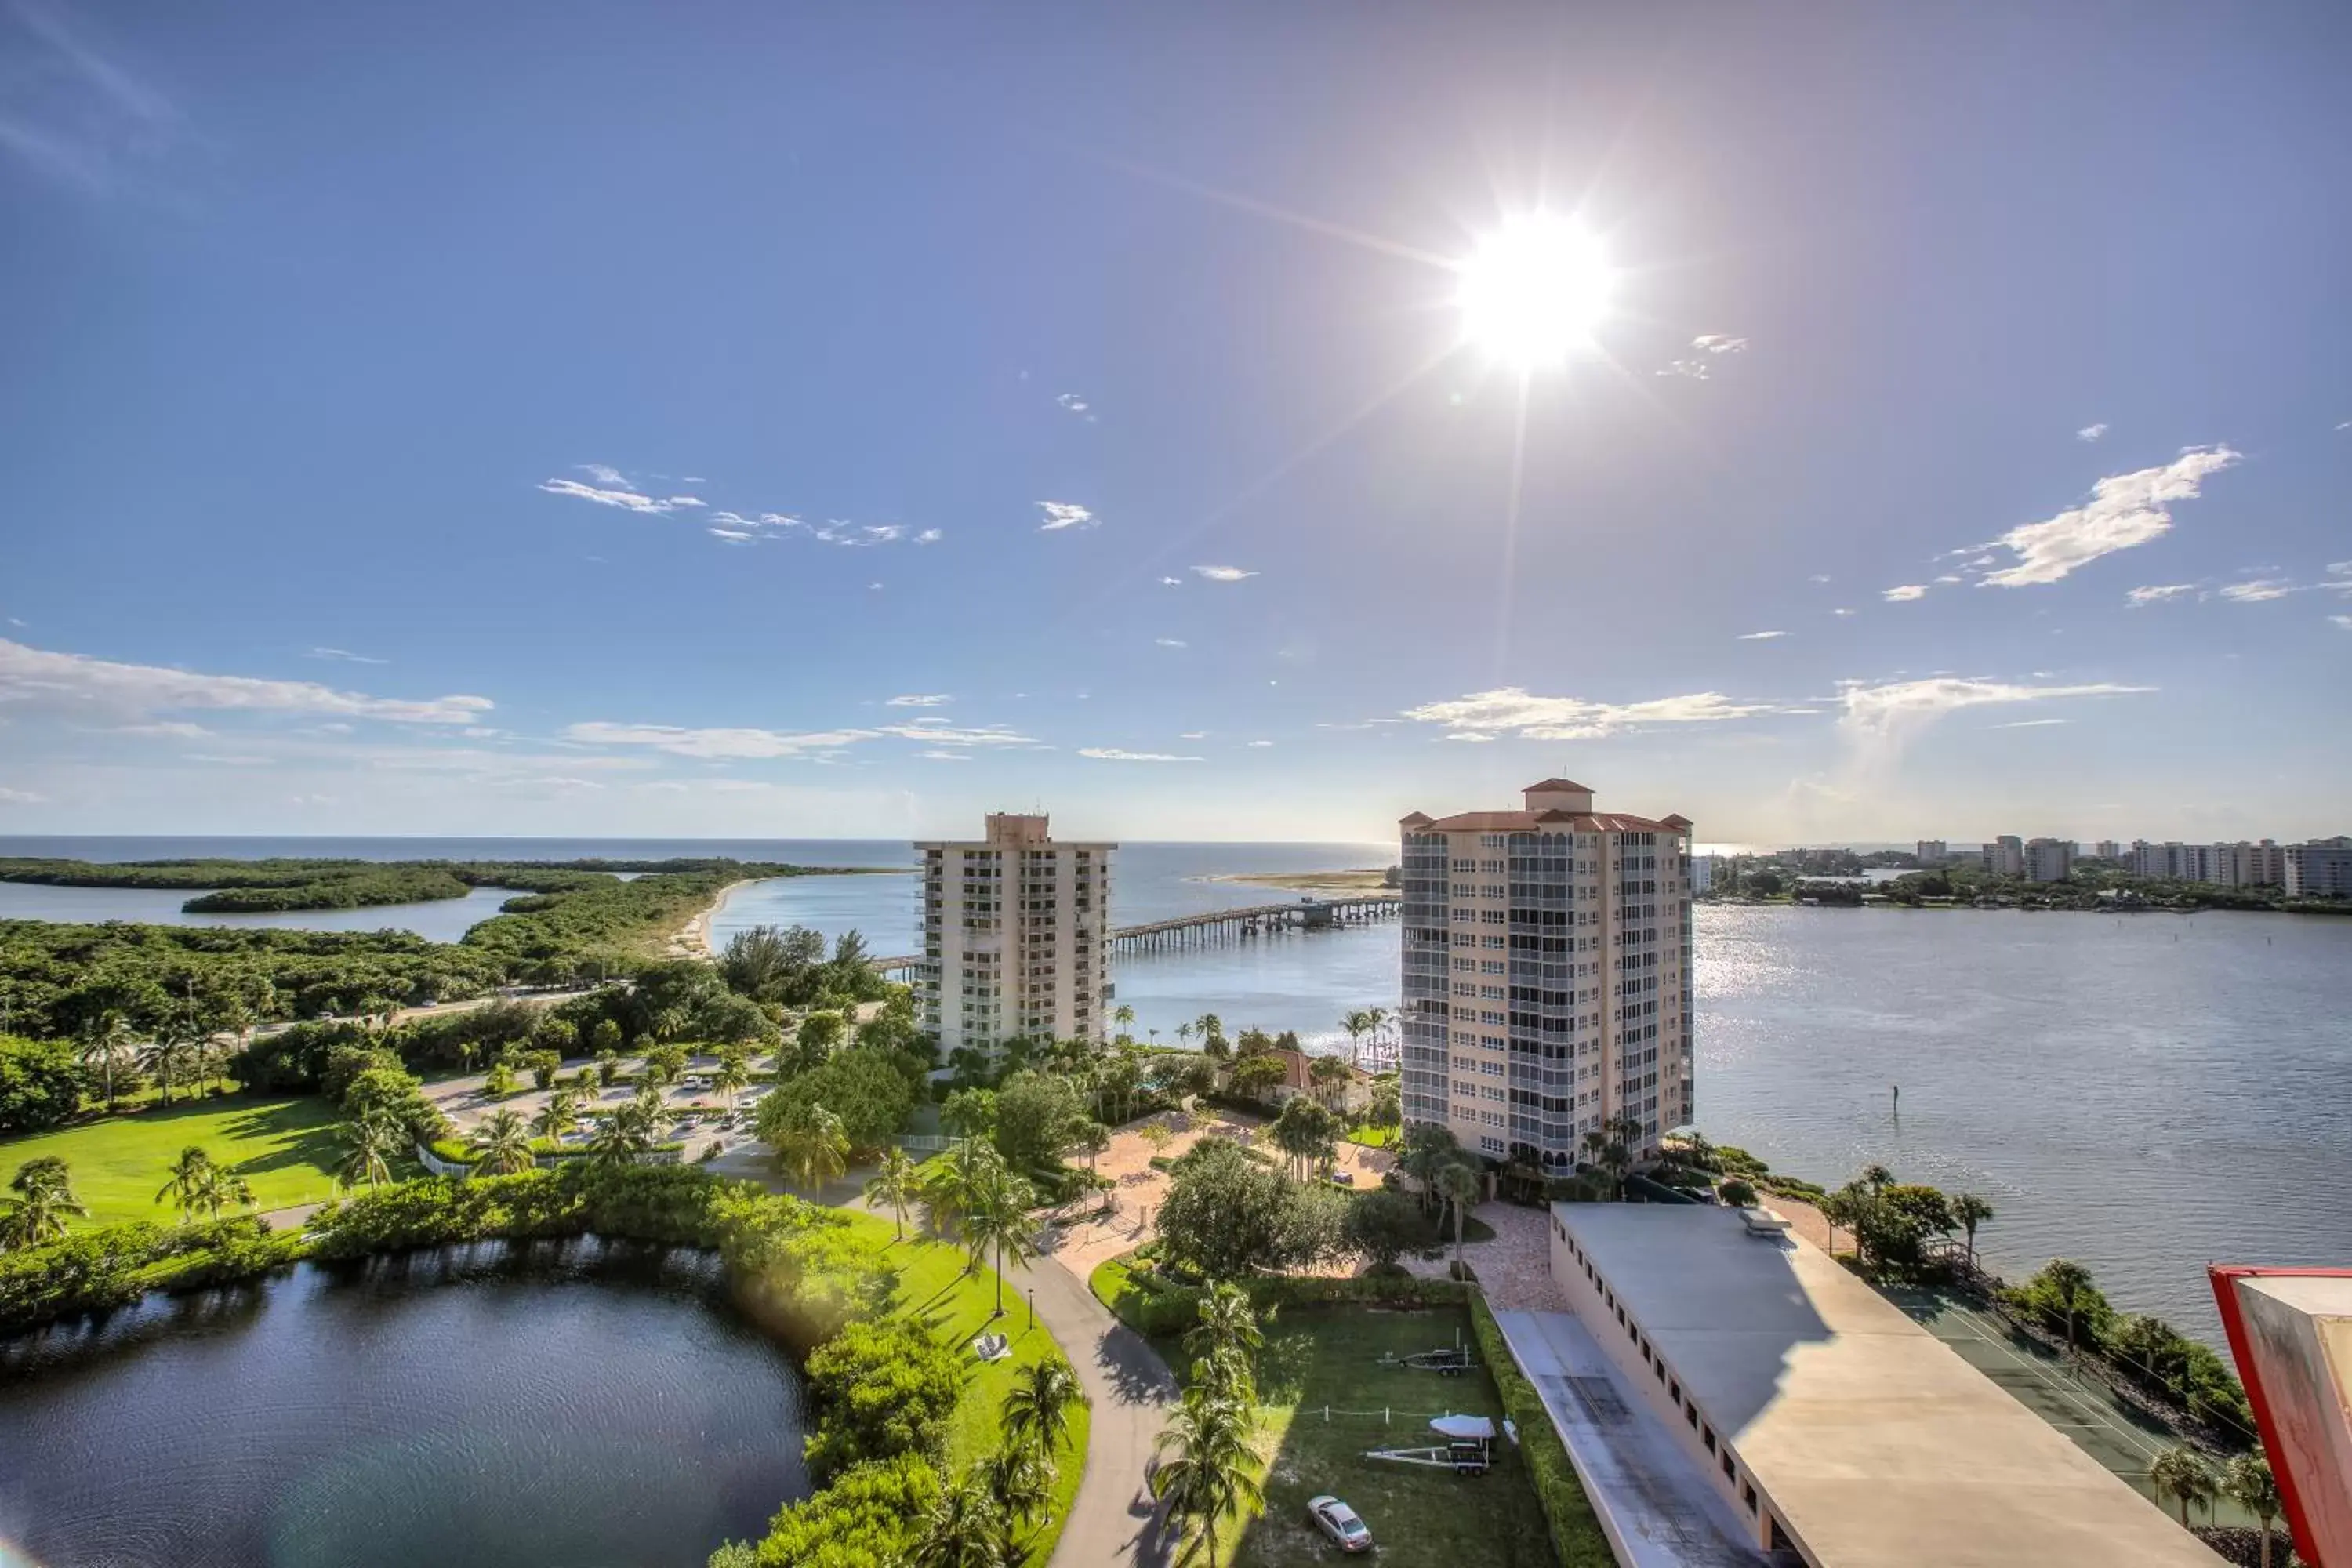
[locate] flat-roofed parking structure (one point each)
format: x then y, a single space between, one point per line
1836 1427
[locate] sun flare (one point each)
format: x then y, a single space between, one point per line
1534 289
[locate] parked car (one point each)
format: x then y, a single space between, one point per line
1335 1519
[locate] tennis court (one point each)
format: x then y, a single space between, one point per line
2102 1425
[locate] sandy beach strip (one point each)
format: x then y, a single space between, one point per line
693 939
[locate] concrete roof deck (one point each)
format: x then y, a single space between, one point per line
1876 1443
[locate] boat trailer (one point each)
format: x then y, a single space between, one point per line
1468 1448
1453 1361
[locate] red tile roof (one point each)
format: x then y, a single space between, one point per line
1416 819
1556 785
1677 820
1529 821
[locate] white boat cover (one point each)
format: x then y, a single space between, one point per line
1464 1428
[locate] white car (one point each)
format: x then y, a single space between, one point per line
1335 1519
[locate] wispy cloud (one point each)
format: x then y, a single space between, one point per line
1171 642
1113 754
1882 718
606 474
920 700
346 654
1193 735
35 676
2124 511
1759 637
2258 591
2087 432
1222 573
1514 710
2028 724
21 797
614 496
1062 514
1171 582
1077 405
1903 594
945 756
1706 349
1260 745
716 744
71 114
2344 621
1841 613
2159 594
929 536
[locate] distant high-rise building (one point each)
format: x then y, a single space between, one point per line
2004 857
2319 869
2107 850
1931 852
1702 873
1015 929
1547 974
2049 860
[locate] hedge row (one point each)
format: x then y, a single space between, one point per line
1155 1307
1576 1532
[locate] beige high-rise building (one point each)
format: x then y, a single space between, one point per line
2049 860
2003 856
1015 937
1547 974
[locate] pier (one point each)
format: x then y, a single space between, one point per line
1223 925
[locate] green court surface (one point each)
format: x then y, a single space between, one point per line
2102 1425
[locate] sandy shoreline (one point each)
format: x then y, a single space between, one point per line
1370 879
693 939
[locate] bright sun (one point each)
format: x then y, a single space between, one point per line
1534 290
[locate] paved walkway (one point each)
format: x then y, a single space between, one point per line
1657 1510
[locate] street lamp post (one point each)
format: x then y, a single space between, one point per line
1033 1306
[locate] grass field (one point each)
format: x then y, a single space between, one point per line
957 1307
284 1147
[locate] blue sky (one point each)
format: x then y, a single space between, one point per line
805 421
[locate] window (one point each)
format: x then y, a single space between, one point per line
1748 1496
1691 1411
1706 1436
1727 1470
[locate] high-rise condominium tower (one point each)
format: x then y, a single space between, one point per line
1547 974
1015 931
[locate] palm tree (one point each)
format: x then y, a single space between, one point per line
1212 1030
44 1198
1970 1211
810 1145
621 1137
106 1038
964 1529
1376 1023
163 1059
502 1144
1330 1075
1225 1342
221 1188
2069 1284
734 1075
1036 1414
1000 1222
370 1146
1123 1016
895 1185
1877 1178
2180 1474
954 1184
558 1116
1461 1186
191 1173
1212 1471
2247 1481
1022 1483
1357 1022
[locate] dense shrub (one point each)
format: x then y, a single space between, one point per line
94 1270
40 1083
882 1390
866 1518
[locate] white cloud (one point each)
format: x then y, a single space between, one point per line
1949 579
2140 598
1888 715
345 654
1113 754
941 733
1710 346
1171 642
2090 432
2124 511
2344 621
1077 405
606 474
1062 514
1171 582
1819 577
1260 745
1473 736
1193 735
1512 709
715 743
627 499
2028 724
2258 591
33 675
1222 573
176 729
1759 637
945 756
920 700
688 501
1907 592
21 797
1841 613
732 535
929 536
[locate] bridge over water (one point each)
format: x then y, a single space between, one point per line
1227 925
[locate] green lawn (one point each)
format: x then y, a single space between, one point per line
957 1307
1376 1137
284 1147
